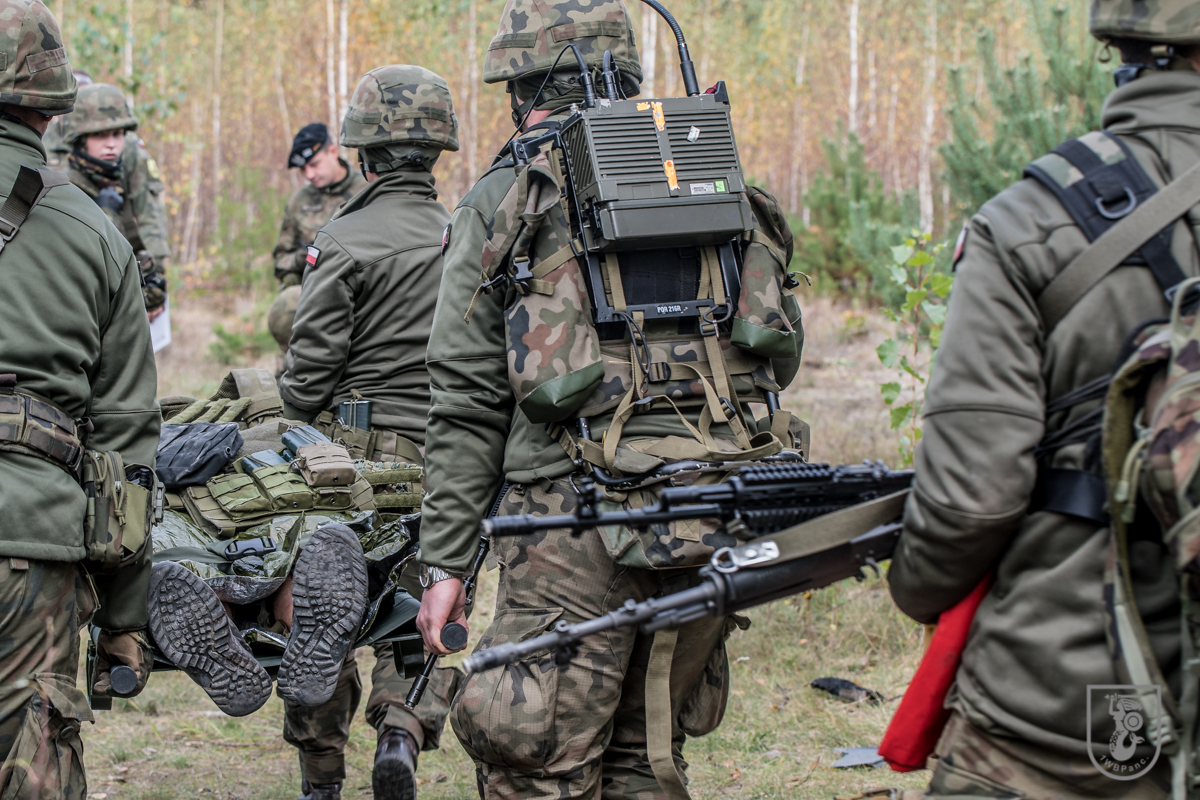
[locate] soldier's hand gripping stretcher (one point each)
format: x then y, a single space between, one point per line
808 526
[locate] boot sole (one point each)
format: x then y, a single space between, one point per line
393 780
329 599
191 628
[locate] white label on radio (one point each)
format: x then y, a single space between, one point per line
704 188
693 134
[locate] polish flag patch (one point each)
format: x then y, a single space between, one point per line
313 255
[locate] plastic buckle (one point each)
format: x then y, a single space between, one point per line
730 411
251 547
728 560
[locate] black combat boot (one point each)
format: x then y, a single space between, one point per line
329 598
394 777
320 791
191 628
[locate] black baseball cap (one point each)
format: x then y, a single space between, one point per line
308 142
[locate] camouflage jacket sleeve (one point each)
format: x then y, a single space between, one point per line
126 419
289 252
147 194
320 341
983 415
472 403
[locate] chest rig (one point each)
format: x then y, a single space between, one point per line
643 275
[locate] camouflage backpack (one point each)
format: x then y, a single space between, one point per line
560 366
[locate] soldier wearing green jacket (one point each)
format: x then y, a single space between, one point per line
360 334
331 183
584 730
982 502
109 162
75 363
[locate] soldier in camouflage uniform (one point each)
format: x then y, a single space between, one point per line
533 730
56 150
981 501
360 332
331 183
123 179
74 332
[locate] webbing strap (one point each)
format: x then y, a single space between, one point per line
616 287
1117 244
832 530
660 716
27 191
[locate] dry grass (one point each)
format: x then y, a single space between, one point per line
778 736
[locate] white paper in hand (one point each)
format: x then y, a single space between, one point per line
160 329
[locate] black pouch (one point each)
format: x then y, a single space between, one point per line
192 453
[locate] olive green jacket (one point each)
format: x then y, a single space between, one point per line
73 330
309 210
366 308
1038 640
476 432
145 223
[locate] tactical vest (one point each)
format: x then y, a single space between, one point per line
562 365
245 396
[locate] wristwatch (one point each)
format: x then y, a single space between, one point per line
431 575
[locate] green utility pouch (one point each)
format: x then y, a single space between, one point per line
285 491
325 465
238 496
122 504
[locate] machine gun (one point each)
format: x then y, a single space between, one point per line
762 500
756 501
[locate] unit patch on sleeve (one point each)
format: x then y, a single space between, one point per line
313 255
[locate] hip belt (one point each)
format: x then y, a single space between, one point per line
37 427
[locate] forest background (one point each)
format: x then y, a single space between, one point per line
866 118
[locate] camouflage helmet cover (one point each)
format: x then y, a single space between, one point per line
34 71
99 107
1162 21
533 33
400 103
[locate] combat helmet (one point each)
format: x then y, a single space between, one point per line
533 33
36 73
99 107
400 104
1158 21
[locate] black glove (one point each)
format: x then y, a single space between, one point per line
111 199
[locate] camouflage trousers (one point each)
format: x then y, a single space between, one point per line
973 764
43 606
537 731
320 732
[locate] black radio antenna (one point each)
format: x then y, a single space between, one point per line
685 60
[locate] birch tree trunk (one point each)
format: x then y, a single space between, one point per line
216 111
343 77
330 87
928 115
872 91
649 49
128 55
893 169
852 110
285 114
471 129
191 226
798 183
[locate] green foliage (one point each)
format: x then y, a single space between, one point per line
1031 107
247 227
244 344
852 223
919 321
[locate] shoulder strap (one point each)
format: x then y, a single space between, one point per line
27 191
1116 244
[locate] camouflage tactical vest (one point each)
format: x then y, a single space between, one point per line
562 365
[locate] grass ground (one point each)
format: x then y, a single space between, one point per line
778 737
